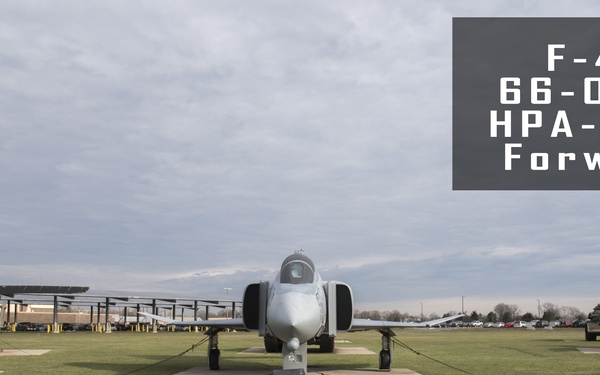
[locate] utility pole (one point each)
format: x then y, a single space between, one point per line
227 290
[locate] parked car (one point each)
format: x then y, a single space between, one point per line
509 325
498 325
25 326
84 327
520 324
488 324
475 323
67 327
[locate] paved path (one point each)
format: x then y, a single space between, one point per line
206 371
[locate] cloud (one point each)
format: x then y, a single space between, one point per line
193 147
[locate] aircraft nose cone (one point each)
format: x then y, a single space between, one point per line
294 318
293 344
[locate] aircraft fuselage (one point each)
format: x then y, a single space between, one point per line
296 313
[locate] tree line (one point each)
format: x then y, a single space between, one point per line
502 312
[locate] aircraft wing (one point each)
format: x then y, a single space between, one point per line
367 324
236 323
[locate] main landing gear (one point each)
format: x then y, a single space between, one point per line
214 354
385 355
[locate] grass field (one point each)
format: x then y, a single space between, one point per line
474 351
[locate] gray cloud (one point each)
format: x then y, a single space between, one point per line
192 147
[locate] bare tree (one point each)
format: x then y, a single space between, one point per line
551 311
570 312
393 316
506 313
433 316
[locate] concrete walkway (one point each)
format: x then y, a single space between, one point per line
206 371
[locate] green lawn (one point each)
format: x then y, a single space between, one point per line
474 351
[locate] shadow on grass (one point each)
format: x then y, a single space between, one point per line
315 360
147 364
172 367
167 365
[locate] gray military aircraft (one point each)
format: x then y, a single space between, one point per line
297 309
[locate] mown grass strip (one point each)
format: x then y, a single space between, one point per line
476 351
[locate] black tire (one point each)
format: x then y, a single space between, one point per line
589 336
273 344
214 359
385 360
326 344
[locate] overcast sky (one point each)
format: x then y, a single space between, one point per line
190 146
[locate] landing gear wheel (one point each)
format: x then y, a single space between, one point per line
384 360
273 344
214 359
326 344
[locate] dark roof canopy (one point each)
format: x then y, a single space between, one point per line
77 296
11 290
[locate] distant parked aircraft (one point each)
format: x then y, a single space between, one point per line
297 309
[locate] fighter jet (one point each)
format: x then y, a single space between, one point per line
295 310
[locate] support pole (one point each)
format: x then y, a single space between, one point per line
196 315
107 327
98 317
137 316
154 322
8 313
55 315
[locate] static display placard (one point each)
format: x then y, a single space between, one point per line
526 104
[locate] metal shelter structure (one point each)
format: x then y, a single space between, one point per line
14 293
71 296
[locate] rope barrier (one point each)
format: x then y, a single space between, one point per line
405 346
170 358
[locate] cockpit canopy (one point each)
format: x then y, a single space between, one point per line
297 269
